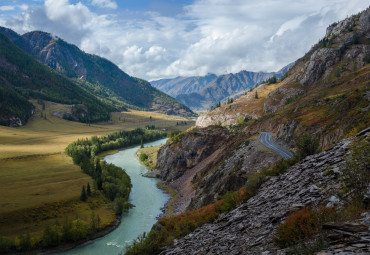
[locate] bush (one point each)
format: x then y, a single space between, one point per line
6 244
308 145
143 156
302 225
356 174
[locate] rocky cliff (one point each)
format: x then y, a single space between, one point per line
206 163
250 228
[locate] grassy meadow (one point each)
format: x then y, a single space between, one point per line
39 184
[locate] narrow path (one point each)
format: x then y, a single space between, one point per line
265 139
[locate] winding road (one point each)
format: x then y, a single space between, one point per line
265 139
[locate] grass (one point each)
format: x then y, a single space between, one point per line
152 153
37 178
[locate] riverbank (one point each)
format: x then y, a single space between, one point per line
146 197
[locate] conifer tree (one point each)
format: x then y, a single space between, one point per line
83 196
88 189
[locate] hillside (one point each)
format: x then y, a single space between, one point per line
97 75
23 77
254 201
326 92
200 93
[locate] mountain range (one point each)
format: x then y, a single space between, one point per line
200 93
94 76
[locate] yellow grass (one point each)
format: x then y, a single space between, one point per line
152 153
35 173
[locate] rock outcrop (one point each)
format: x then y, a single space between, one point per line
249 229
206 163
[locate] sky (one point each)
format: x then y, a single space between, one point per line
153 39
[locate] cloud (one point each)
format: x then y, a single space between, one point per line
217 36
104 4
7 8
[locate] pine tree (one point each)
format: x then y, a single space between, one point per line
88 189
256 95
83 196
141 143
98 170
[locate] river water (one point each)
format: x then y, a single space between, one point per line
146 197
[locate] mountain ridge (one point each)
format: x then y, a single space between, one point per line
202 92
95 74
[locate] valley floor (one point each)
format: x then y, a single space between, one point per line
40 185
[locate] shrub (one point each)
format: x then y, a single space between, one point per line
143 156
308 145
247 142
302 225
356 174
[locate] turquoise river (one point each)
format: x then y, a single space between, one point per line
146 197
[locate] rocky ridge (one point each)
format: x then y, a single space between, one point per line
345 48
249 229
201 166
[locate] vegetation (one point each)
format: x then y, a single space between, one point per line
307 145
103 79
112 180
306 225
13 104
49 184
303 225
271 80
31 79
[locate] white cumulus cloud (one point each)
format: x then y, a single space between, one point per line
104 4
217 36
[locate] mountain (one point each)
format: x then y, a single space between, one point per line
255 201
23 77
202 92
183 85
95 74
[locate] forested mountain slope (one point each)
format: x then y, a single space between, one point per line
23 77
96 74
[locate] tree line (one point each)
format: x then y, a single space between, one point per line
110 179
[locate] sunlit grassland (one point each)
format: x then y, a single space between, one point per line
152 153
37 178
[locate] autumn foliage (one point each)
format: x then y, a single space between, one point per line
302 225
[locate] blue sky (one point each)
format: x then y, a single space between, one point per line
154 39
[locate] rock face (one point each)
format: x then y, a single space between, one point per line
342 35
249 229
207 163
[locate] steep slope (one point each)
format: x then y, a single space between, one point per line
22 77
326 92
96 74
324 96
183 85
250 228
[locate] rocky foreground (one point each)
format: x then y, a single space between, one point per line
250 228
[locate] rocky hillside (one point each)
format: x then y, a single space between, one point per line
326 92
250 228
204 164
201 93
96 74
220 164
